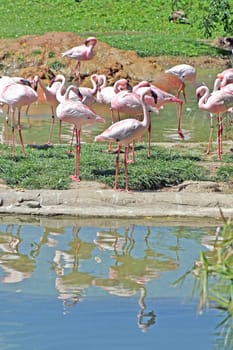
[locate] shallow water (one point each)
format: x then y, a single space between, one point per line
195 123
104 285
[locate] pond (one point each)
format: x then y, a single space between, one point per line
103 284
195 123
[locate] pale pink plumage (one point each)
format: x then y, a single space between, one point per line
182 73
16 95
216 102
83 52
126 131
78 114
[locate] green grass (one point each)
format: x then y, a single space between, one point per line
130 25
50 168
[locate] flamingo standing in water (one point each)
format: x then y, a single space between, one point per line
87 94
130 104
105 93
49 93
77 114
182 73
126 131
16 95
163 98
216 102
80 53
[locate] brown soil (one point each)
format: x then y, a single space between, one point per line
33 54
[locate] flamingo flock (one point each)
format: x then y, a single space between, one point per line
135 106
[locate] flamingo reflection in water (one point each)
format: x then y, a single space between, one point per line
70 282
9 254
129 275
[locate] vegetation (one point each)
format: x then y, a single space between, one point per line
132 25
213 275
50 168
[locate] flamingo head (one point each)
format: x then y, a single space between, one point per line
91 40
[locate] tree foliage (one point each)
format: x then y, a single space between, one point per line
218 13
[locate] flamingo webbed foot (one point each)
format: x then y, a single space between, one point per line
75 178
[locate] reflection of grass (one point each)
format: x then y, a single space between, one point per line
213 272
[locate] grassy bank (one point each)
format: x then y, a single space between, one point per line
130 25
50 168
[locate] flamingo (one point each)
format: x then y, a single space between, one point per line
182 73
50 97
126 131
224 78
77 114
216 102
80 53
85 93
105 93
163 98
130 104
16 95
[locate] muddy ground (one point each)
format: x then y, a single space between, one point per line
30 55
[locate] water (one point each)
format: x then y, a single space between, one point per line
100 284
195 123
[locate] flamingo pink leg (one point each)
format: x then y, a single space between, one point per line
51 127
179 121
211 135
220 130
76 177
13 133
117 169
149 140
126 168
20 134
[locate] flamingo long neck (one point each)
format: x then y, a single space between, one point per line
94 84
202 103
146 114
59 94
66 96
102 81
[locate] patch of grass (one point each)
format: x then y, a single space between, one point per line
137 25
50 168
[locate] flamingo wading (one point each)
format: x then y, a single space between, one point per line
126 131
77 114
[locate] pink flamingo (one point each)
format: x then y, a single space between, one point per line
224 78
216 102
16 95
83 52
77 114
105 93
87 97
130 104
6 80
182 73
126 131
163 98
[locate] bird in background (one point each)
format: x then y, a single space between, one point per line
125 132
17 94
80 53
180 74
216 102
78 114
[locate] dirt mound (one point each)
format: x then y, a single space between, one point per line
36 54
